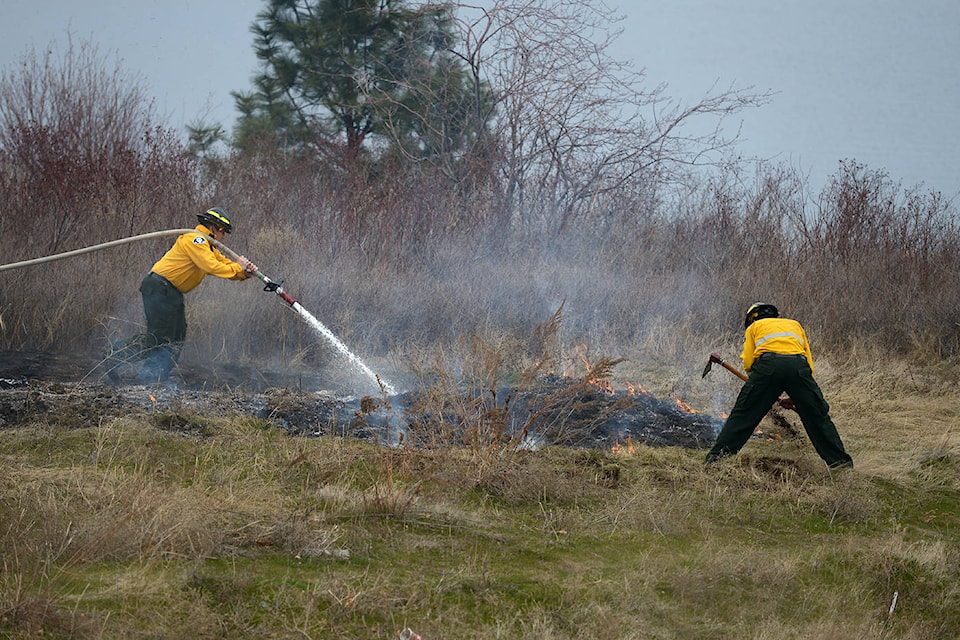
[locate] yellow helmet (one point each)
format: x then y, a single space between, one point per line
216 217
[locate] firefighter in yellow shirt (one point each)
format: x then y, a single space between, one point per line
191 258
776 354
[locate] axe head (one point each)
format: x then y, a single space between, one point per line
713 358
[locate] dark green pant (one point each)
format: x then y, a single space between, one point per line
166 325
771 375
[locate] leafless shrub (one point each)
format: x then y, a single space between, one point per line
82 161
81 148
883 254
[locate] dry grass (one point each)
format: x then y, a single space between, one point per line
117 530
899 414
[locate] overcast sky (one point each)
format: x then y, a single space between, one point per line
877 81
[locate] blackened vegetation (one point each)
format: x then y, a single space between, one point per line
552 410
558 413
591 419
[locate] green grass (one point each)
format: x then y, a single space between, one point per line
126 530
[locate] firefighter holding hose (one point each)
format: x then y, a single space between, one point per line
776 355
191 258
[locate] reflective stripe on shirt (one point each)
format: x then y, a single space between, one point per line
782 334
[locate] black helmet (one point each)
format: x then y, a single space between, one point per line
216 217
760 310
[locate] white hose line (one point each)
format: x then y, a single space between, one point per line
105 245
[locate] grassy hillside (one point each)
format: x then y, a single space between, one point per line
229 528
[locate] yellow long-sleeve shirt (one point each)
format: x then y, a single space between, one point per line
774 335
191 258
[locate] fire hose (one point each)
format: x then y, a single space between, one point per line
269 285
98 247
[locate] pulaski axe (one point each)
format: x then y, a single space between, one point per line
786 403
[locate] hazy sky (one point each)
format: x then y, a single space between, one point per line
873 80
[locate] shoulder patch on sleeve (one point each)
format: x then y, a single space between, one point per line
199 240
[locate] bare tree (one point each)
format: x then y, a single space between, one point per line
575 124
80 147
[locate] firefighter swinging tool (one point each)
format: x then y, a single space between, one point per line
785 402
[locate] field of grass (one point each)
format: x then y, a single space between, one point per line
442 270
237 530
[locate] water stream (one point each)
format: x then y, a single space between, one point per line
355 360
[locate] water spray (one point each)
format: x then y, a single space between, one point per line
319 327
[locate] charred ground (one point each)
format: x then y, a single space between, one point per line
44 388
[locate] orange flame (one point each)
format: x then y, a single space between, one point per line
632 389
581 351
637 389
624 447
601 384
